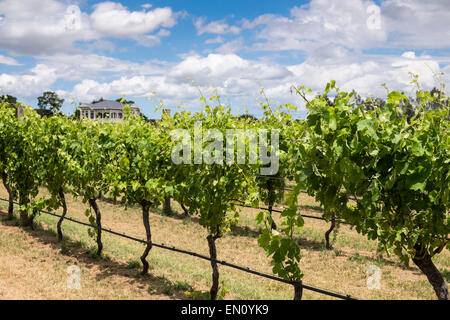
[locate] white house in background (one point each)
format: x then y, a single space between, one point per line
105 110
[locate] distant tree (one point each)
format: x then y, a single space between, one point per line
45 113
50 101
96 101
152 121
442 100
247 116
373 103
368 103
123 100
376 102
145 117
9 99
407 106
76 115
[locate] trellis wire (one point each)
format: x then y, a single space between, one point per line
231 265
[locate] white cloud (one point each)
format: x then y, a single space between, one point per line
31 83
424 66
113 19
89 90
366 75
316 23
215 69
231 46
410 24
233 76
216 27
33 27
416 23
151 40
218 39
48 26
148 40
214 65
230 74
103 45
76 67
9 61
137 86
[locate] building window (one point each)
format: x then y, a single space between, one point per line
120 115
92 114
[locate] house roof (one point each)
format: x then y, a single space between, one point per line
105 104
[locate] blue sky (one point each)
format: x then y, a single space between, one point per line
167 51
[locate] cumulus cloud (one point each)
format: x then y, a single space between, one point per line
103 45
75 67
33 82
417 24
218 39
150 40
114 20
40 27
33 27
366 75
355 24
230 74
332 37
216 27
231 46
233 76
137 86
320 21
8 61
217 68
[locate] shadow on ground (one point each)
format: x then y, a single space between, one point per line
108 267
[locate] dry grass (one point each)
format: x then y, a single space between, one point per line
33 264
